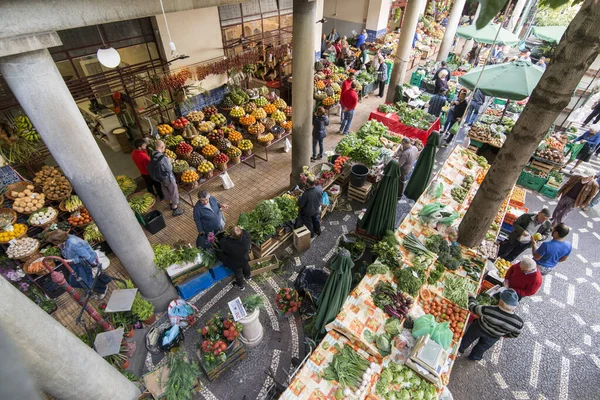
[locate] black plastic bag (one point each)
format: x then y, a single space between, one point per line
310 282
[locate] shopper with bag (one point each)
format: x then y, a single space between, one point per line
382 76
208 216
455 114
577 192
591 140
310 207
348 101
524 228
473 111
595 114
141 159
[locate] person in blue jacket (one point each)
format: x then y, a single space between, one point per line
82 258
361 39
320 123
591 140
208 216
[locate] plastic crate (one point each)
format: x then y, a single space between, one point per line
415 79
154 222
499 101
220 272
532 182
195 285
549 191
506 227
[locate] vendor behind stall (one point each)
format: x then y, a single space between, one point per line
441 82
524 228
443 67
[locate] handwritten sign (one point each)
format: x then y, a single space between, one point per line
237 309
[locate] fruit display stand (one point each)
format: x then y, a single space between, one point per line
273 143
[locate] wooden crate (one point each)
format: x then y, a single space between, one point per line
360 194
542 166
302 238
237 353
273 264
156 382
269 246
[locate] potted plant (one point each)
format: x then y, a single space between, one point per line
141 308
218 336
252 330
287 301
124 319
119 360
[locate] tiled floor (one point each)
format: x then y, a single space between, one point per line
268 180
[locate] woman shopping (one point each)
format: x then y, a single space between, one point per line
320 123
455 114
591 141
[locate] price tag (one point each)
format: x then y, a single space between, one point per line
12 241
415 274
237 309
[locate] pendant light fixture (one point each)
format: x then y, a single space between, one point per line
174 53
107 56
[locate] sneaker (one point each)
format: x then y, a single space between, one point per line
312 159
238 286
178 211
445 145
98 296
249 279
319 156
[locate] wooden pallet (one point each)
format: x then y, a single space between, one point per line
360 194
542 166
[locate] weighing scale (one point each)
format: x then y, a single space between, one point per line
428 360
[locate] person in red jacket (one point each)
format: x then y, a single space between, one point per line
347 83
524 277
141 159
348 101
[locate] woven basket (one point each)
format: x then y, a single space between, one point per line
32 252
62 207
11 212
61 198
221 166
31 260
16 237
16 187
31 212
53 220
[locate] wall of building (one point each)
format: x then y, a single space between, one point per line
196 33
345 15
589 84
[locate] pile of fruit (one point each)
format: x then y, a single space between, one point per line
502 265
21 248
209 150
222 144
141 202
234 152
320 85
183 149
80 218
259 113
214 136
28 203
218 119
250 107
234 136
57 188
11 232
261 101
280 104
268 123
221 158
237 112
189 176
269 109
206 126
287 125
26 130
245 145
444 311
164 129
265 139
552 155
288 112
216 336
180 123
210 110
287 301
45 173
195 116
170 154
328 101
173 140
205 167
91 233
195 158
179 166
200 141
190 131
126 184
247 120
73 203
43 216
279 116
256 129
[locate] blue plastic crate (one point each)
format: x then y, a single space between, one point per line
220 272
506 227
195 285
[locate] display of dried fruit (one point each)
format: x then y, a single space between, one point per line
268 123
194 159
222 144
250 107
45 173
256 129
28 203
57 187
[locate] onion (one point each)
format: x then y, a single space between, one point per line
373 366
357 393
366 376
369 371
347 392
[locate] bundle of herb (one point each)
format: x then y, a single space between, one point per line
182 377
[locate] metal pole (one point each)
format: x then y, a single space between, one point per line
59 279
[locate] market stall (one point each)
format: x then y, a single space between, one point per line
415 124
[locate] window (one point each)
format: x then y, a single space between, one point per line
271 24
232 32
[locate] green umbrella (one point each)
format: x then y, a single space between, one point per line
487 34
381 212
550 34
514 81
336 289
423 169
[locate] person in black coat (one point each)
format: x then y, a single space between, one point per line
441 83
310 207
320 123
235 254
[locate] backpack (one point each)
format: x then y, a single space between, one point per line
155 170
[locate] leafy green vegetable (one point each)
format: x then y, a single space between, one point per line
288 206
448 256
262 222
410 280
377 268
393 326
485 299
457 289
347 367
182 377
398 382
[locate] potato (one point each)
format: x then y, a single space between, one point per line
28 209
21 195
27 192
30 187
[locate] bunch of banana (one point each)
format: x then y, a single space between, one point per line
141 203
91 233
73 203
126 184
25 129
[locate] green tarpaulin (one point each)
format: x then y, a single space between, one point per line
381 211
423 169
487 34
550 34
336 289
514 81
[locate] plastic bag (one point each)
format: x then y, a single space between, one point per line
442 335
102 259
424 325
226 181
170 338
454 129
181 313
287 145
325 199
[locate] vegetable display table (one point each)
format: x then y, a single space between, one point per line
392 121
275 141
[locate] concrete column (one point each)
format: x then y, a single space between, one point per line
524 16
449 35
378 14
41 91
302 86
518 10
61 364
318 29
407 34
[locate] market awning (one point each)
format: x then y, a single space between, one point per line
551 34
514 81
487 34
